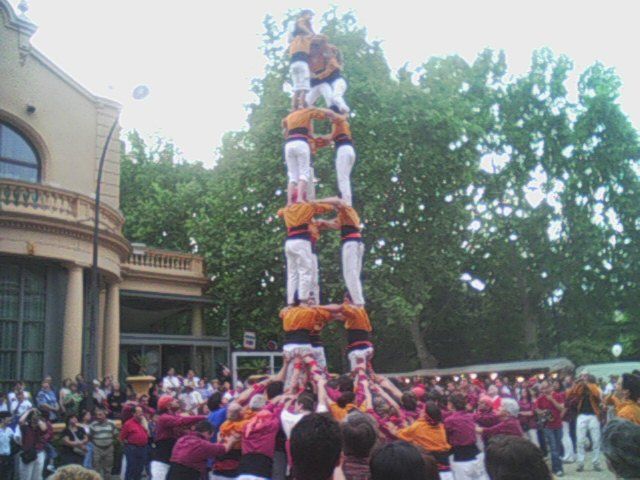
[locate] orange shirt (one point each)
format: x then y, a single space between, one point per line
300 44
315 232
298 214
304 318
339 128
231 427
625 409
356 318
302 118
347 216
339 413
431 438
330 54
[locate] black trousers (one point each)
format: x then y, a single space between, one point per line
180 472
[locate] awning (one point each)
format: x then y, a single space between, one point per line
169 297
547 365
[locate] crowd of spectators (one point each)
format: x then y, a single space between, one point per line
313 426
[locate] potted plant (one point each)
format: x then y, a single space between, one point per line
142 382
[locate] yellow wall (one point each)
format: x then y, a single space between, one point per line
69 125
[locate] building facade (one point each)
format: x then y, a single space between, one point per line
152 311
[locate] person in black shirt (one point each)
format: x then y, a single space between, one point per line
115 400
74 443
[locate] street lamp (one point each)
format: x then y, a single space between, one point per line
616 350
139 93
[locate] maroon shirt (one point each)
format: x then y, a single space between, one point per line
259 434
35 438
509 426
543 403
461 429
133 433
193 451
169 425
486 419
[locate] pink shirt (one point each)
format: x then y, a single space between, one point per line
259 436
509 426
193 451
461 429
543 403
169 425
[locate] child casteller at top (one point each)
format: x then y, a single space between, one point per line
315 67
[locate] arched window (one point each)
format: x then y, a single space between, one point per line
18 159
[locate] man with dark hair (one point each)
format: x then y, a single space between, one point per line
398 460
587 397
468 461
316 443
515 458
217 411
621 448
192 452
626 398
359 437
101 434
550 405
169 427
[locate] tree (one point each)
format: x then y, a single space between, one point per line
501 219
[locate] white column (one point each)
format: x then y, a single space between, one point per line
111 339
72 328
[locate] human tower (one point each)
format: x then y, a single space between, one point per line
316 71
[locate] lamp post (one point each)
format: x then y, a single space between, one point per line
139 93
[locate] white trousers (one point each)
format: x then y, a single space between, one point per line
345 158
338 89
584 424
298 159
33 470
321 359
159 470
333 94
299 268
471 470
323 89
567 444
315 279
300 76
352 253
359 358
446 476
290 351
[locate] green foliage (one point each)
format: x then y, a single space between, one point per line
463 263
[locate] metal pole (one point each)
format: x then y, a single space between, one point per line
94 310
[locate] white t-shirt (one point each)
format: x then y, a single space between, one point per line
191 401
170 383
289 420
18 408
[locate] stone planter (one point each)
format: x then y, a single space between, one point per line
140 383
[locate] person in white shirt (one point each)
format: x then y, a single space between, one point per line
171 383
611 386
190 399
192 377
20 404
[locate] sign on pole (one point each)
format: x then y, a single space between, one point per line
249 342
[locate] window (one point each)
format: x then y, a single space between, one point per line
18 159
22 324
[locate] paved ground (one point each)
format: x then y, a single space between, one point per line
588 474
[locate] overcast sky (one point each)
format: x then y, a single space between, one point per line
199 56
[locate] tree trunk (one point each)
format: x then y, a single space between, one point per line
427 360
530 322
